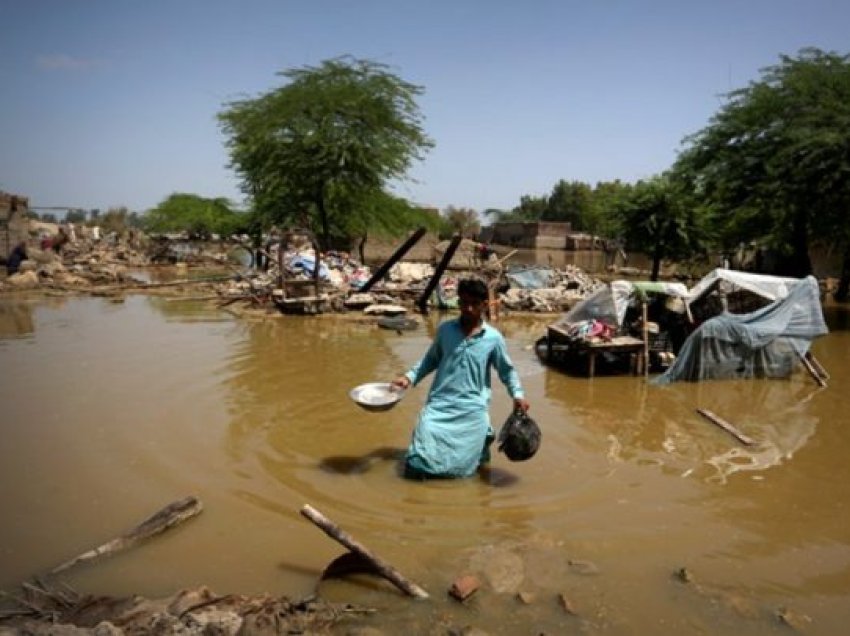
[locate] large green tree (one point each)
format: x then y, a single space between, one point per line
602 219
659 219
199 217
774 163
570 202
375 213
331 137
463 221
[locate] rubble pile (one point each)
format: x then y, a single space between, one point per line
285 282
546 290
75 268
44 610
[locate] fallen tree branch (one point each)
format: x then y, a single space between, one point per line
173 514
382 567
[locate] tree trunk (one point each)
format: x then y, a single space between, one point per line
259 259
361 248
801 264
323 216
657 253
843 290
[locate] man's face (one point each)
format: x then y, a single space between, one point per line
471 309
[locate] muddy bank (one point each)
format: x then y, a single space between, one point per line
536 587
46 610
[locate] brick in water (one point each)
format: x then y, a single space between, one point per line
464 587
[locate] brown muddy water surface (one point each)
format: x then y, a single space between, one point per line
110 411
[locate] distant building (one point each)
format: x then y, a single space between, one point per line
13 221
529 234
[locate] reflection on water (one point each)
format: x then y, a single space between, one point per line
115 410
15 320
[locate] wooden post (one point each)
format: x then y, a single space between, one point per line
811 369
644 318
501 261
817 365
384 569
401 251
492 304
726 426
422 303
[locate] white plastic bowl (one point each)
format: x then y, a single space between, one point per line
376 396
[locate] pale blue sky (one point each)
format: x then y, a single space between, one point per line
113 102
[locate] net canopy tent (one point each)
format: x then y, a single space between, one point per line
608 304
766 343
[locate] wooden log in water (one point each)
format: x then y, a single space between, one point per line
382 567
726 426
173 514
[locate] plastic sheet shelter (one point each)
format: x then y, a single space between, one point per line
737 292
766 343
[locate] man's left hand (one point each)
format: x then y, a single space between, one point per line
521 404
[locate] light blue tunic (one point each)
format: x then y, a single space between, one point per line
454 425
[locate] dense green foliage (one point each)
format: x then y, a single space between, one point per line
463 221
772 167
774 163
658 219
320 151
197 216
586 208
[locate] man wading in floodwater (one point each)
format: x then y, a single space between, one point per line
453 435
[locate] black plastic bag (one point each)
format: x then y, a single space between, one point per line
519 438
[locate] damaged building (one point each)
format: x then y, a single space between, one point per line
13 221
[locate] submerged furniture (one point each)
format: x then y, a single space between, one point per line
617 307
560 342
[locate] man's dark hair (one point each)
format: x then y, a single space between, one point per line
473 288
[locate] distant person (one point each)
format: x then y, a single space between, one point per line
19 254
58 241
453 434
485 252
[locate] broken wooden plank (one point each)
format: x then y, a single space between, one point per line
822 372
726 426
382 567
812 370
173 514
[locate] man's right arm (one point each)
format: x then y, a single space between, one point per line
429 362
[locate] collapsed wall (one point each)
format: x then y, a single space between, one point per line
13 221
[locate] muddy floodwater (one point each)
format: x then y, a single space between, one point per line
112 410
